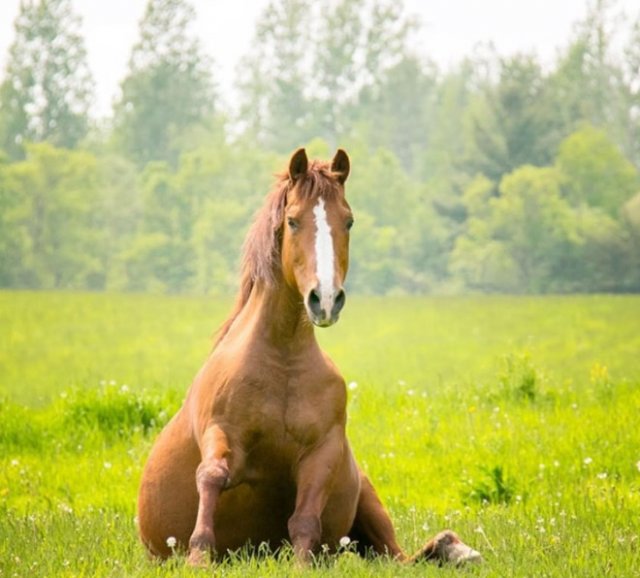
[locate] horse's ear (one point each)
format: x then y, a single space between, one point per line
298 165
341 165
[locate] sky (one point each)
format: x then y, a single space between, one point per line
451 29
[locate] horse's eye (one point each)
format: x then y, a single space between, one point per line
349 224
293 223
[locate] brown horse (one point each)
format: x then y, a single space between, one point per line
258 452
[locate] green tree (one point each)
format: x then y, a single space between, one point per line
160 257
313 64
516 245
56 237
632 82
597 173
386 40
118 215
631 223
399 113
588 84
443 163
226 184
14 239
274 76
598 259
513 128
47 87
398 238
339 72
169 88
362 46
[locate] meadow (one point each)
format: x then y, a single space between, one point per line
512 420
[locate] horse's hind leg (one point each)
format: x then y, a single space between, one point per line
212 476
446 547
373 531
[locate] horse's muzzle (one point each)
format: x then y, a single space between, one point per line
324 309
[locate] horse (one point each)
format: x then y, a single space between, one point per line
258 451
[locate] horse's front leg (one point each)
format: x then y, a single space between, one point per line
314 479
212 476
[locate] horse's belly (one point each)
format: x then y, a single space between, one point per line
259 512
252 515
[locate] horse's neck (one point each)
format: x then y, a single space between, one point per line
276 314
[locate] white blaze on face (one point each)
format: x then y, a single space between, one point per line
324 257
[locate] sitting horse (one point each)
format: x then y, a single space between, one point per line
258 451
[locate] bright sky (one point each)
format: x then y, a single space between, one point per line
451 30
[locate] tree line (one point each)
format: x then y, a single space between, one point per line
499 174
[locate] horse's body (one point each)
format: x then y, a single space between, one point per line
258 452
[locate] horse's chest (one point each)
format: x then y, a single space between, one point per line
276 423
285 414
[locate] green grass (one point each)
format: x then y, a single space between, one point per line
512 420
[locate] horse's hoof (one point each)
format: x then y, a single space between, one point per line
451 549
198 558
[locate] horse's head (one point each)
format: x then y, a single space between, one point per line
315 238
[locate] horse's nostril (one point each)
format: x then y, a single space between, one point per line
339 302
314 301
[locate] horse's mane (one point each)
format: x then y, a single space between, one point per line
261 249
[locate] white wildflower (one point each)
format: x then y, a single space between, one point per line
345 541
171 542
587 461
352 385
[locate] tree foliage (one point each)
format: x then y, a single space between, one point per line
313 64
500 174
597 173
47 87
168 89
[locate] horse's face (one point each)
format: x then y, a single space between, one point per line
315 242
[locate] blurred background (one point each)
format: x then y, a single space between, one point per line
495 146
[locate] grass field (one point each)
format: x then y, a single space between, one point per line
512 420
